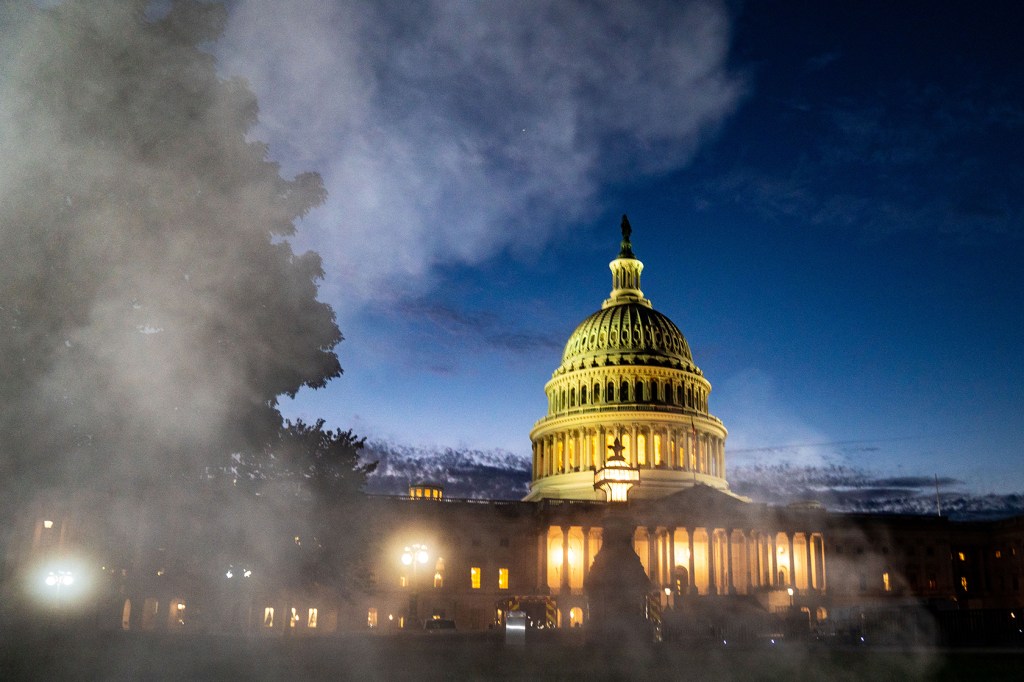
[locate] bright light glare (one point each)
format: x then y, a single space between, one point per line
421 556
60 584
229 574
406 558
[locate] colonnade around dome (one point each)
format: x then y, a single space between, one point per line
647 446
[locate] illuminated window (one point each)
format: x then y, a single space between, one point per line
933 582
371 618
502 578
311 620
575 617
885 582
474 577
268 617
438 579
960 555
403 581
294 619
999 554
47 524
963 583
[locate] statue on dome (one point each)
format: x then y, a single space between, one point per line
626 249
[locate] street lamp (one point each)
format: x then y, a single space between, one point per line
415 556
789 591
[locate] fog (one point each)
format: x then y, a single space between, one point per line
152 307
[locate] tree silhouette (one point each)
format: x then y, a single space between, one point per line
152 310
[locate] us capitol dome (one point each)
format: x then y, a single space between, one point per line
627 383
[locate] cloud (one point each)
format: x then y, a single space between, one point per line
479 474
447 132
498 474
854 489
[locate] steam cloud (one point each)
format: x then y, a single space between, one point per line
449 131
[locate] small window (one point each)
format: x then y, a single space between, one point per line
438 579
371 618
502 578
960 555
999 554
268 617
474 577
311 620
886 584
963 583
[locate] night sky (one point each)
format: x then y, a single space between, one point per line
826 196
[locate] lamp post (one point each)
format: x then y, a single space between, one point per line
57 579
232 574
414 556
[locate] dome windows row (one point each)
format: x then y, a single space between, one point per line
649 391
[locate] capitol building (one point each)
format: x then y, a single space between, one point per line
626 438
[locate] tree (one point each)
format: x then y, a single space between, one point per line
152 310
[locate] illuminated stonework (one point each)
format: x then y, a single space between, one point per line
627 373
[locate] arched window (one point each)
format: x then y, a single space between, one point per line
583 395
624 392
638 391
572 397
679 395
597 393
609 396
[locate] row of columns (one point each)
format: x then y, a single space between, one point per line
645 446
767 559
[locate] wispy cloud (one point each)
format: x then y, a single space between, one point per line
497 474
447 132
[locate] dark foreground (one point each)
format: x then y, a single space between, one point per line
125 656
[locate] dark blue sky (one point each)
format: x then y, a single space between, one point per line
827 198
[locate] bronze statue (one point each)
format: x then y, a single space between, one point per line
627 230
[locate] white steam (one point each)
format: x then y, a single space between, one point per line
449 131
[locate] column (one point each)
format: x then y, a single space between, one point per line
632 446
652 555
712 581
563 582
730 582
649 448
586 552
790 577
773 548
689 542
808 569
542 562
671 556
602 447
824 583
